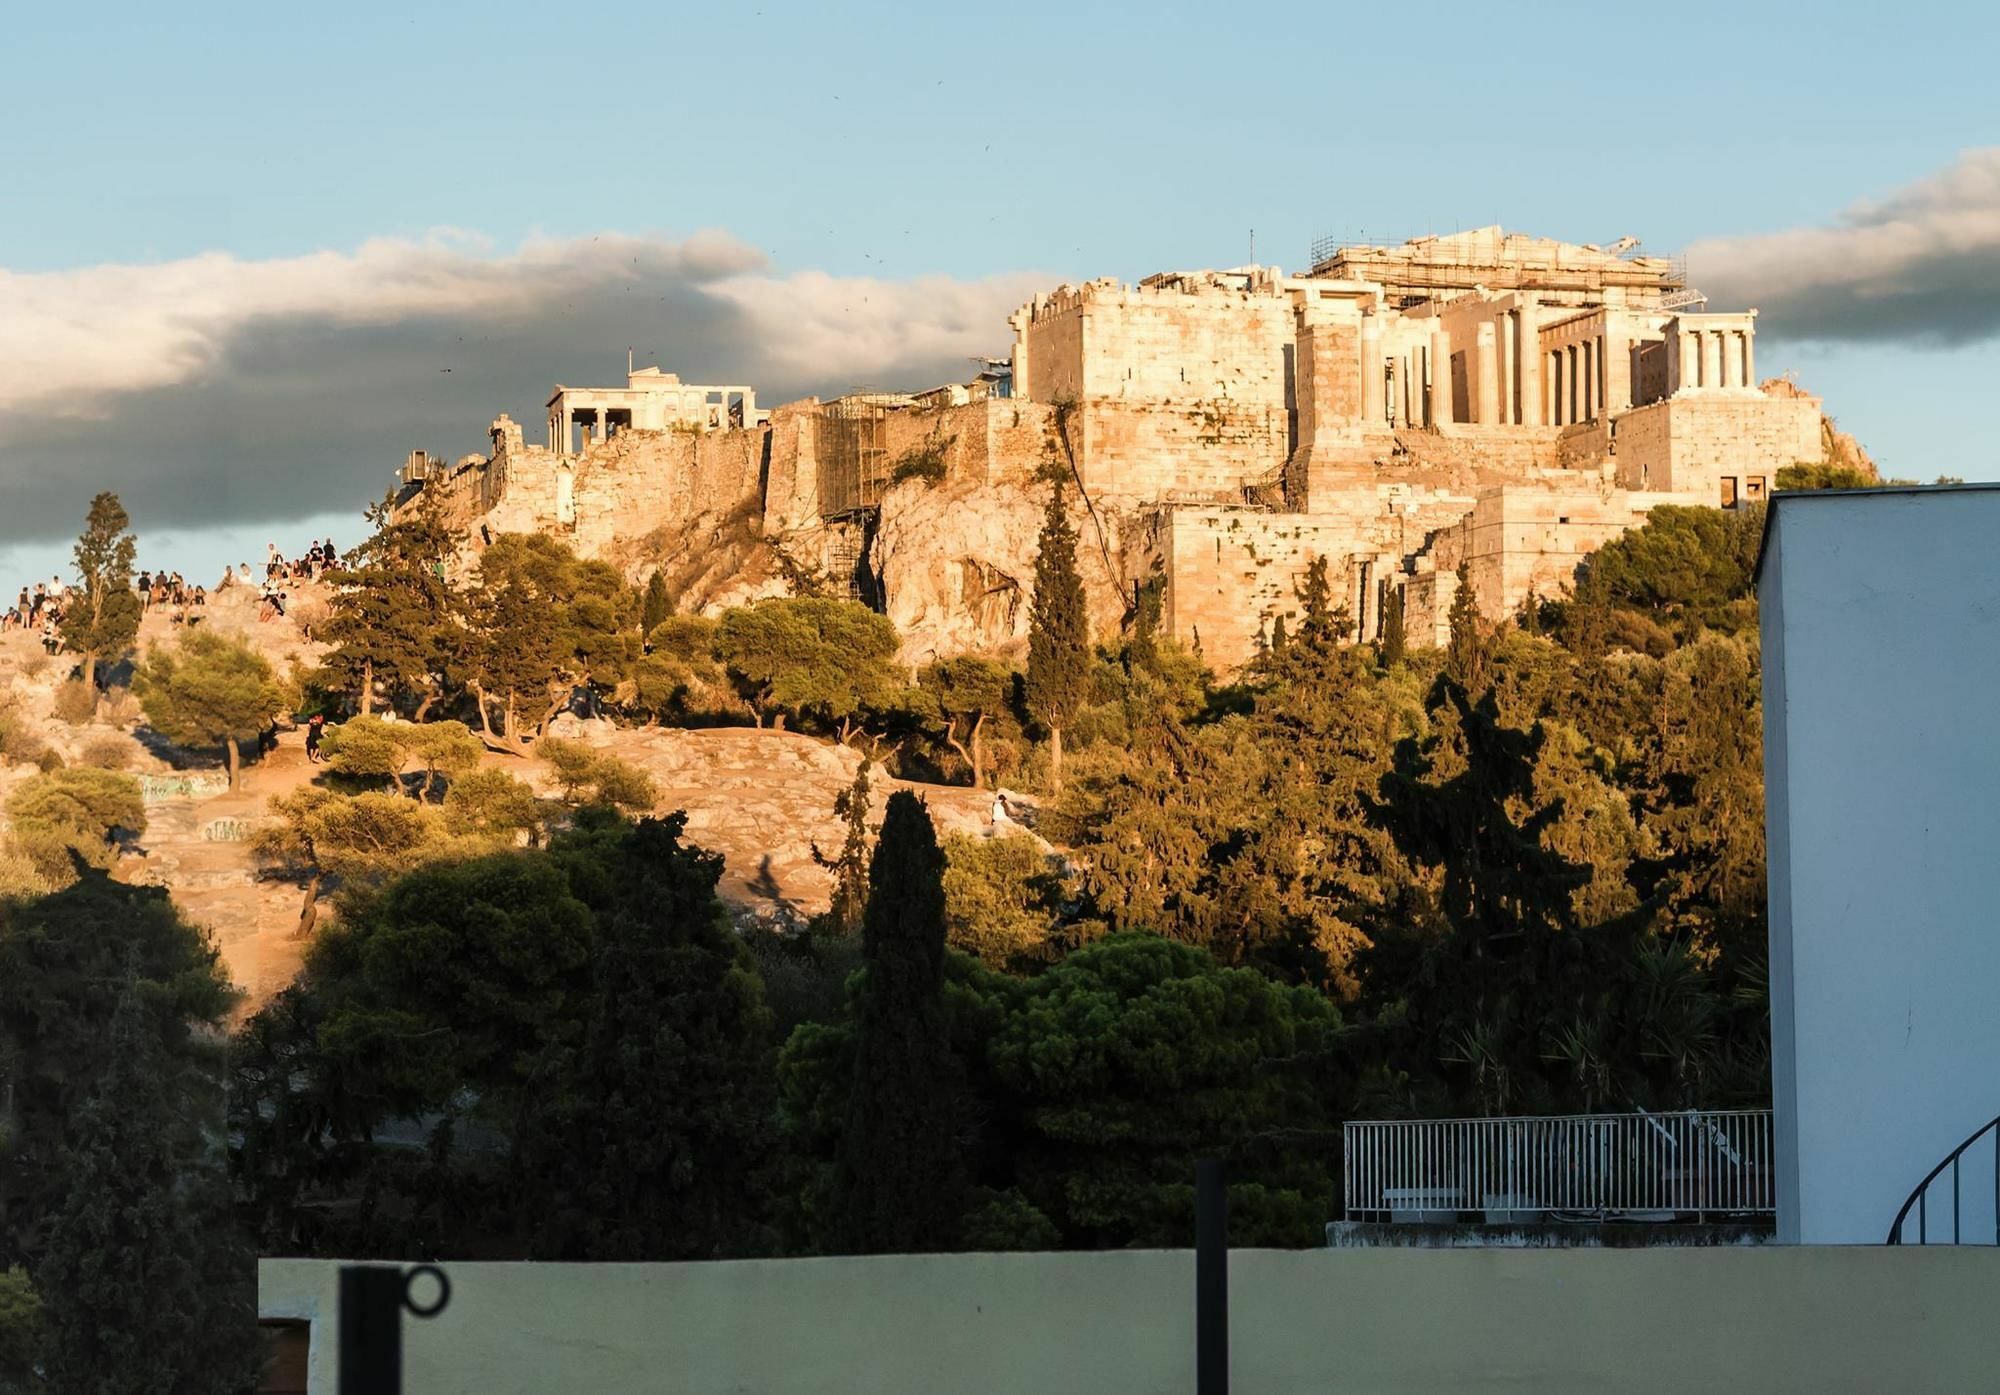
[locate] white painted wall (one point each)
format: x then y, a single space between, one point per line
1881 634
1769 1319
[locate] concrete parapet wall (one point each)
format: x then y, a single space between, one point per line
1771 1319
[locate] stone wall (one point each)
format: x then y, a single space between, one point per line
1688 444
1208 450
1522 540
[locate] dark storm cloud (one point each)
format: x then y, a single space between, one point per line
1920 267
215 391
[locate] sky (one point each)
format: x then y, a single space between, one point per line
252 256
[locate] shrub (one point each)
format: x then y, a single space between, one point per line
925 462
76 701
76 809
590 777
118 707
35 665
22 878
490 803
111 752
1001 896
48 759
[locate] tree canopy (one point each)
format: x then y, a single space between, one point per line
832 661
102 623
208 689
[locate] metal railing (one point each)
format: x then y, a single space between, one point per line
1699 1164
1983 1203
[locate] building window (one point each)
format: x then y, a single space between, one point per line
1729 491
287 1347
1753 488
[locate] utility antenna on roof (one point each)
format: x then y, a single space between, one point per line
628 360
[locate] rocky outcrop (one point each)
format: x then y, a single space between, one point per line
955 561
1837 447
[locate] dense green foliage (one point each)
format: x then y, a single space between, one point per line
572 1034
74 812
541 625
111 1192
810 656
1522 872
150 1287
393 621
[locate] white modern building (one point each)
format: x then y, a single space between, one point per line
1881 642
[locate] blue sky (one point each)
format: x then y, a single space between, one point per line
987 147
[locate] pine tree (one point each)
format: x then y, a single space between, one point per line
1465 654
208 690
900 1175
394 618
102 622
1058 632
147 1286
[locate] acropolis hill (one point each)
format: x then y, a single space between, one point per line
1504 402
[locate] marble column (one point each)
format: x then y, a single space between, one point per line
1488 408
1440 378
1532 362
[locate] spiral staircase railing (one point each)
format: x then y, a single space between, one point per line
1920 1202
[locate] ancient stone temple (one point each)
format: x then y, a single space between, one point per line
1503 402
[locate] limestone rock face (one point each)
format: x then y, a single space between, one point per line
762 799
955 562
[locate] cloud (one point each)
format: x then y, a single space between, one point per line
1920 267
217 389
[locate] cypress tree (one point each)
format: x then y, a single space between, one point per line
657 604
393 622
102 623
1465 656
1058 632
1393 639
1281 642
850 865
147 1287
900 1176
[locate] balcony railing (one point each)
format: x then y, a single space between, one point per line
1697 1165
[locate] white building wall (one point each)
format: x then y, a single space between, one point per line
1881 630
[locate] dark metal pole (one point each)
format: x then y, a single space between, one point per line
371 1330
372 1299
1211 1279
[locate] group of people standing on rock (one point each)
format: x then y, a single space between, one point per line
319 558
40 611
171 589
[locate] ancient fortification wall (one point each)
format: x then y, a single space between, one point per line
1483 400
